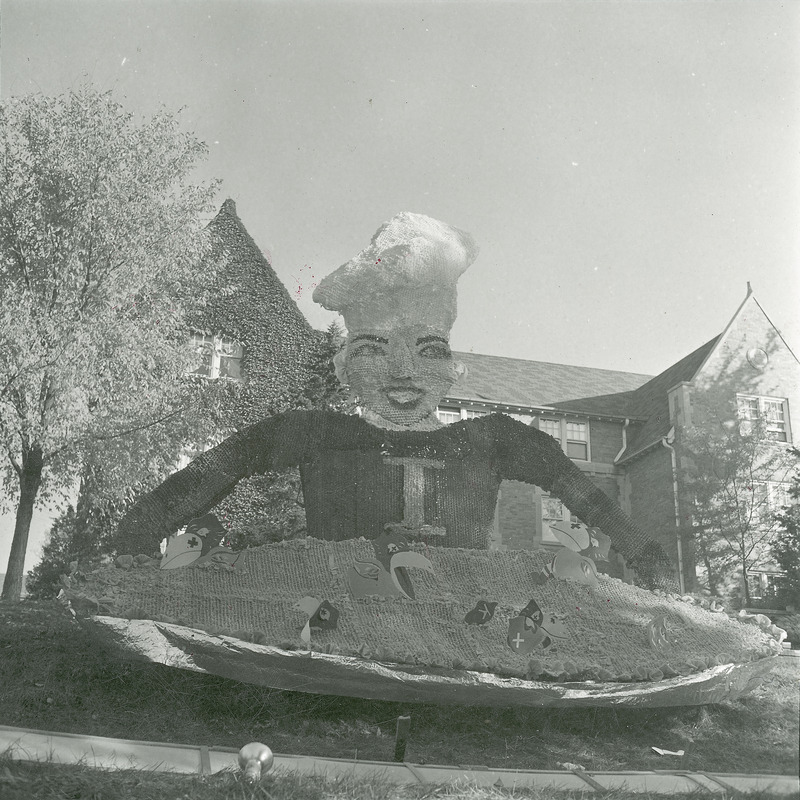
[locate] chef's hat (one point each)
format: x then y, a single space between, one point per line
407 276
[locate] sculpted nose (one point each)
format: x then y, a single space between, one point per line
401 360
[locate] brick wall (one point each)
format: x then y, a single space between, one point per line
652 504
606 440
738 366
519 512
728 370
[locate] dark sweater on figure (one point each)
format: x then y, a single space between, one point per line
357 478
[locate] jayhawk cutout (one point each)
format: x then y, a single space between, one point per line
582 546
386 574
534 628
199 542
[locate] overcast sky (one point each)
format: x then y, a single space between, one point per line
625 167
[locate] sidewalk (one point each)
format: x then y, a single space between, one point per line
103 753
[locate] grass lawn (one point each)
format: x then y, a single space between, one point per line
55 678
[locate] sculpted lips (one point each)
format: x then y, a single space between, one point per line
404 395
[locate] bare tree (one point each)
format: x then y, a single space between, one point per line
733 478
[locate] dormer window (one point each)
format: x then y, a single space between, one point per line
218 356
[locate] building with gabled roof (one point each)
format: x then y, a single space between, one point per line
251 327
620 428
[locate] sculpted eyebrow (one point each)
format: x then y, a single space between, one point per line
370 338
425 339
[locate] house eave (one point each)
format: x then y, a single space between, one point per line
513 408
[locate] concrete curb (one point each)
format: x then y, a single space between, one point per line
102 753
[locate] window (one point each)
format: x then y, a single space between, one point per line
773 411
769 497
573 436
776 422
578 440
553 510
449 414
551 427
779 496
765 585
218 356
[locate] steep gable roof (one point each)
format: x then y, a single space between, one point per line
250 304
744 309
535 384
242 256
651 400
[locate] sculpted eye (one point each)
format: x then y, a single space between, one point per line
368 349
435 350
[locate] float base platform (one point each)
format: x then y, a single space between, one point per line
320 673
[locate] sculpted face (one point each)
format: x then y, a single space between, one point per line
400 375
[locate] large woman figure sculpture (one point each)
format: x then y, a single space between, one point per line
396 464
396 593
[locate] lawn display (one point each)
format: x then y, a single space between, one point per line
610 643
396 594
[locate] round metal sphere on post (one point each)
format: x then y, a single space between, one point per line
255 759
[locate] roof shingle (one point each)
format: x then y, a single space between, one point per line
651 400
521 383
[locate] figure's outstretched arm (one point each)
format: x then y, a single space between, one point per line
275 443
529 455
197 488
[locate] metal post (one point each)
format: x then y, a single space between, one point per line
401 738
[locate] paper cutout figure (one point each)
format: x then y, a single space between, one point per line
181 550
482 613
599 547
379 576
568 564
523 637
308 605
322 616
581 546
198 543
589 542
574 535
386 546
325 618
534 628
657 631
553 628
533 612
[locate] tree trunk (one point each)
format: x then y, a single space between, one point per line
746 586
84 540
712 580
29 482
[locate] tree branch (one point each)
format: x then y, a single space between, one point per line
128 431
15 464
